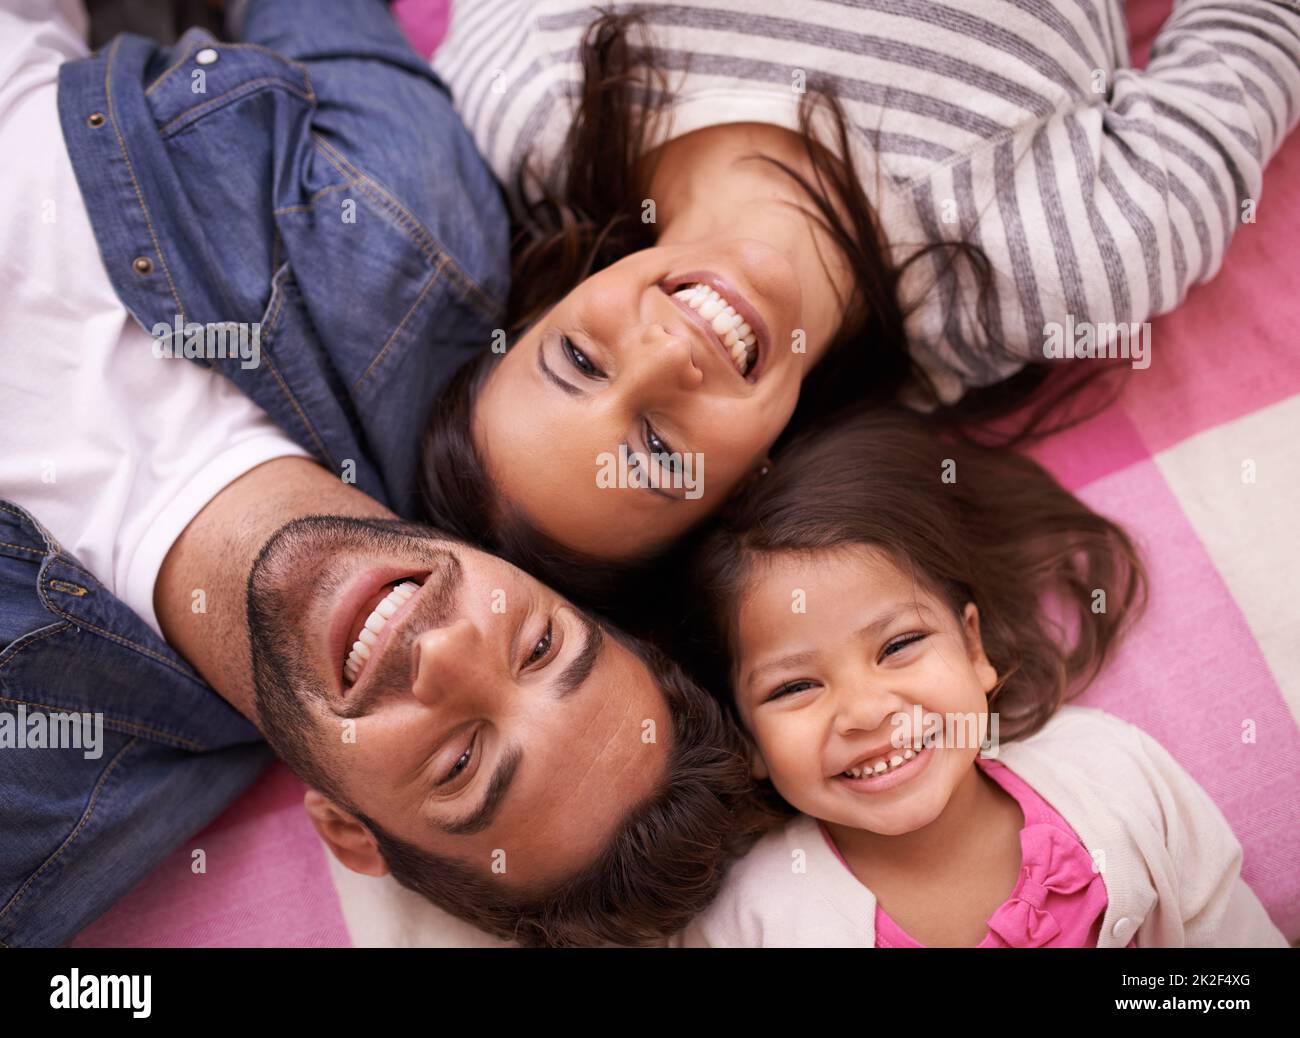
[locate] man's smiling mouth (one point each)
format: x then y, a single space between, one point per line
371 624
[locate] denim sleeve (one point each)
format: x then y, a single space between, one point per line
311 32
387 122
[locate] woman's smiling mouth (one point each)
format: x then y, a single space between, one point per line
728 318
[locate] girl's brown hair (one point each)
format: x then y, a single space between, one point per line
592 218
972 524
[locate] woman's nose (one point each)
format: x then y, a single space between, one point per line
667 360
448 659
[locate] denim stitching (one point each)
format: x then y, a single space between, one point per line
24 643
310 204
233 94
127 642
383 352
23 517
71 837
275 372
117 132
20 547
112 724
184 59
297 66
423 238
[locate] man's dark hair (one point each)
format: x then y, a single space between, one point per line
663 863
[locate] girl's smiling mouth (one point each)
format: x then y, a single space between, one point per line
878 774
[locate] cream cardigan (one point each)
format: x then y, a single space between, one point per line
1171 864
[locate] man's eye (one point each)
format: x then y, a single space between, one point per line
542 647
579 359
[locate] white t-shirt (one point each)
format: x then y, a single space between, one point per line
112 449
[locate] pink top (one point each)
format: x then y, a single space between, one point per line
1058 901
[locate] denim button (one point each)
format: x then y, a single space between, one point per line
96 119
206 56
143 265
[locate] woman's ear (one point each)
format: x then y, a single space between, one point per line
988 677
348 840
764 467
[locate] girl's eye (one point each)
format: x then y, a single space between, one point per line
542 646
788 689
901 643
655 445
579 359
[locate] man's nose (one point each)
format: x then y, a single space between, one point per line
447 658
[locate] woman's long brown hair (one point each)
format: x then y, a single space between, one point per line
1056 584
592 218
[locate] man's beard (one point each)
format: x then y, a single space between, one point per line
297 565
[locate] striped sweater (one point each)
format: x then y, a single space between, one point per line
1100 193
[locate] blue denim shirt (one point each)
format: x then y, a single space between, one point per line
315 179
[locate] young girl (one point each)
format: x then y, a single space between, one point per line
885 601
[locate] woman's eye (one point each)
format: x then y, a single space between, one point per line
788 689
656 445
541 648
579 359
901 643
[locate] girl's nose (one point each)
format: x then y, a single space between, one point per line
865 705
448 659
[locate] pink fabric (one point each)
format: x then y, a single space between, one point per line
266 884
1058 900
424 22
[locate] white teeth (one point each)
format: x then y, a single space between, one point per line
736 335
375 623
882 765
726 321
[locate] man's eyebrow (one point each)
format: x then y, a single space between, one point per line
546 371
573 677
481 817
580 669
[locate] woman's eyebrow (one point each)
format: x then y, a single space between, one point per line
546 371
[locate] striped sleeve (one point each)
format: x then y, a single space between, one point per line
1110 212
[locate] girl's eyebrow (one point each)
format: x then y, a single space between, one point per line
794 659
872 629
545 369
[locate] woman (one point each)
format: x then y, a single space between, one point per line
910 221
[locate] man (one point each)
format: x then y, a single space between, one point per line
302 214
